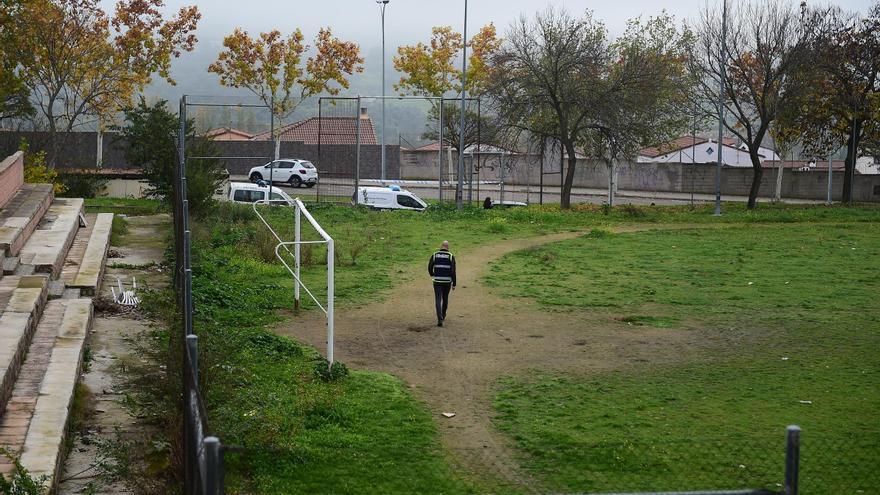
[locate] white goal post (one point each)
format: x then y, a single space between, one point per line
327 308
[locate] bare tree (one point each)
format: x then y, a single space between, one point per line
544 75
563 78
643 99
764 51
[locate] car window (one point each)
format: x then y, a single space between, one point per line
285 164
407 201
241 195
306 165
275 195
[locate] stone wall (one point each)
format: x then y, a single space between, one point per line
11 176
667 177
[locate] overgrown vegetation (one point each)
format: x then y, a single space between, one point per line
82 184
302 433
783 324
126 206
19 481
151 133
36 171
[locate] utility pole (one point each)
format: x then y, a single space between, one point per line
458 185
722 65
383 4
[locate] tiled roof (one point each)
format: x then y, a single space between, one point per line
681 143
228 133
334 130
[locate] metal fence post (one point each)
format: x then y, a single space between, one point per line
792 459
357 140
330 290
296 257
213 466
192 349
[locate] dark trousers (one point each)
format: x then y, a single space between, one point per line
441 299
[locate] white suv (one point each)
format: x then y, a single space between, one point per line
294 172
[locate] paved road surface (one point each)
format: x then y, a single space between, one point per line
428 190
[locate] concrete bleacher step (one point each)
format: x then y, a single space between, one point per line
10 264
21 303
87 258
47 246
34 424
21 215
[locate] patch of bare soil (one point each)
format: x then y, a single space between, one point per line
485 337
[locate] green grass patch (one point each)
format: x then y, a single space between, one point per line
789 326
118 230
364 432
127 206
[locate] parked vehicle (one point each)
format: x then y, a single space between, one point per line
292 171
387 198
245 192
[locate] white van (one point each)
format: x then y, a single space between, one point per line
387 198
245 192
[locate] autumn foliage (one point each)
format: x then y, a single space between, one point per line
80 64
272 67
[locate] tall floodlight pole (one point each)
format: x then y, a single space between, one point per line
722 62
383 4
458 187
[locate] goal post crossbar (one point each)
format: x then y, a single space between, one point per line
302 211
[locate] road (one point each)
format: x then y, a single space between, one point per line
428 190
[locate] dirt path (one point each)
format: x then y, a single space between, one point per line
485 337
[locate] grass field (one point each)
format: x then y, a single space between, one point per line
787 326
366 433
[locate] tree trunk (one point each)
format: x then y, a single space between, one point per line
756 182
777 196
612 180
850 163
565 200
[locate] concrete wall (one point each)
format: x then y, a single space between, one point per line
11 176
669 177
78 150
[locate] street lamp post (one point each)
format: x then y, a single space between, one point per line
458 186
383 4
721 89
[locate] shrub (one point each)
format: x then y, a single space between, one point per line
151 133
328 373
633 211
497 225
85 184
35 169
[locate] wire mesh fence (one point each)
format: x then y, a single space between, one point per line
694 466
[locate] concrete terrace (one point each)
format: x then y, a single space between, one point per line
53 259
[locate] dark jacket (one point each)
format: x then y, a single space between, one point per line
441 267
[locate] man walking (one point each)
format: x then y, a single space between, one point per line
441 268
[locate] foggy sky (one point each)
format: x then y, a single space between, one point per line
407 21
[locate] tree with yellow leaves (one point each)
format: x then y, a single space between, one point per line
430 70
272 67
81 65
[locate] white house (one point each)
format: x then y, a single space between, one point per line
688 149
